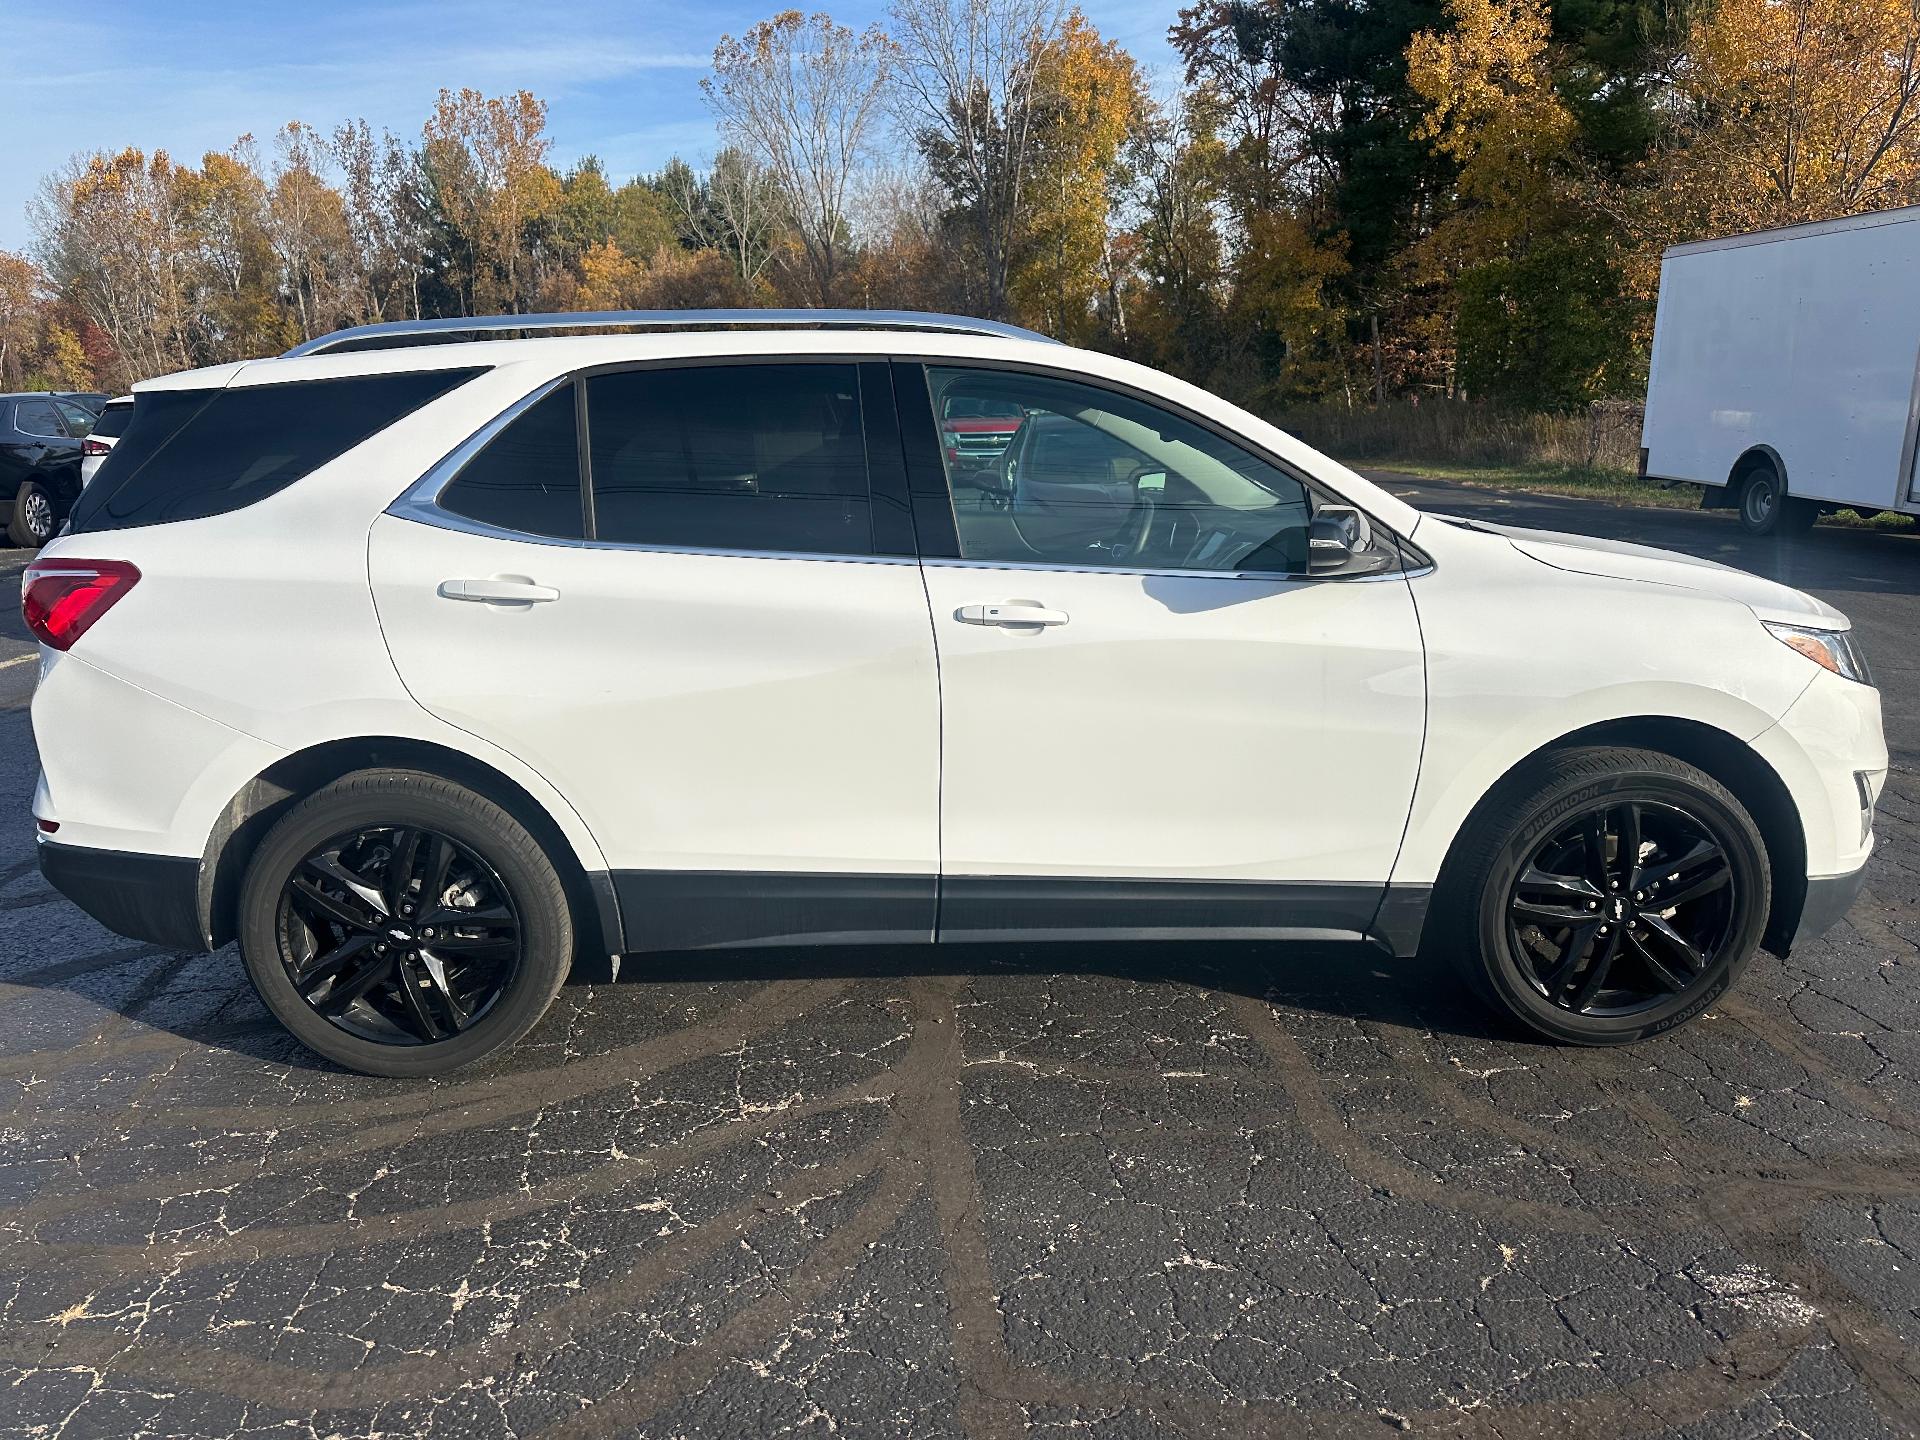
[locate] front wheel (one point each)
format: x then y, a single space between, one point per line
399 924
1607 895
32 522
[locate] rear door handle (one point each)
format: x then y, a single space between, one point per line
500 591
1012 612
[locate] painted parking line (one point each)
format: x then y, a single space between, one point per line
19 660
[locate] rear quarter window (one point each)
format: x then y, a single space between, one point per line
187 454
113 421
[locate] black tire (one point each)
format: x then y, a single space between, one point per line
34 517
494 867
1489 913
1767 509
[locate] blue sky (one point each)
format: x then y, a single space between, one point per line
622 80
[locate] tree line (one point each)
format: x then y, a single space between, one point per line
1340 200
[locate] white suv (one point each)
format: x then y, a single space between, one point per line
415 667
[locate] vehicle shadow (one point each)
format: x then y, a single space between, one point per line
1350 981
205 1000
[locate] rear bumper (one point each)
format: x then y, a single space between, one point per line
155 898
1829 897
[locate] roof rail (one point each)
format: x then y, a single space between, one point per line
403 332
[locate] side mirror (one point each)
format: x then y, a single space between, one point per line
1337 534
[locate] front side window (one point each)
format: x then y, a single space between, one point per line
730 457
527 478
1089 477
79 419
37 417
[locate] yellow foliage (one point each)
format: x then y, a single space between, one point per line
610 279
495 149
1800 110
1490 100
1281 287
65 360
1091 96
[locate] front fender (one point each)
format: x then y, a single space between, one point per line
1520 656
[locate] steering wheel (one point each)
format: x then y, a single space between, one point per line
1136 535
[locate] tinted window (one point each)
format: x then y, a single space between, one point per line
190 453
36 417
730 457
528 477
112 423
1091 477
79 419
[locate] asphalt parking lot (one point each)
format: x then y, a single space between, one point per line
1111 1192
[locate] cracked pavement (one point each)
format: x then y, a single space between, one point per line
1088 1191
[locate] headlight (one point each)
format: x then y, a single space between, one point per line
1829 649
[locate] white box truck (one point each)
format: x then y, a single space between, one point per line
1786 370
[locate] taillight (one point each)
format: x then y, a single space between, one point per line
62 598
91 446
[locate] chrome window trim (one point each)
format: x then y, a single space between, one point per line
420 503
428 513
426 490
1271 576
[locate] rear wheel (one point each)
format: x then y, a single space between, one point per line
1767 509
1611 894
32 523
399 924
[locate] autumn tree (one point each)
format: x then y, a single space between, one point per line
609 279
306 225
1273 133
735 207
801 95
487 182
1089 98
1180 257
1529 265
23 304
386 227
111 232
971 74
234 283
1791 110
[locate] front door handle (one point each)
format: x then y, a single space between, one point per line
1011 612
501 590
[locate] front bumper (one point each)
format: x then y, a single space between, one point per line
155 898
1829 897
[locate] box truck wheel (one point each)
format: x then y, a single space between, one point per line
1767 509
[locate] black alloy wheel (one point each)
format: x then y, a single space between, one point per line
398 934
1622 907
1603 894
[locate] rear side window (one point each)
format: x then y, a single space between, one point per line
528 476
112 423
37 417
731 457
192 453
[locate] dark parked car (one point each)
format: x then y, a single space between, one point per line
94 400
40 439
